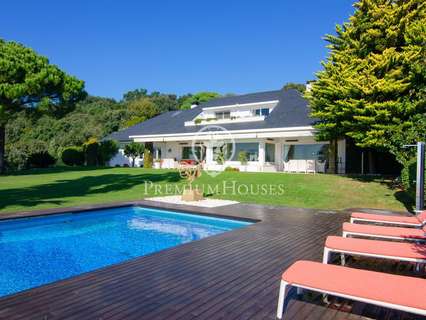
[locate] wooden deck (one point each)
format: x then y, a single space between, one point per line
234 275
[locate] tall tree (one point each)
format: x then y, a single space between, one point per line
135 94
374 80
140 110
28 80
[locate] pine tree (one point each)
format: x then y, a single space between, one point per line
374 81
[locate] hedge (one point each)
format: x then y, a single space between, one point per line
408 176
41 159
91 150
73 156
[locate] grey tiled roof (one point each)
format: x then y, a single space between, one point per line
291 111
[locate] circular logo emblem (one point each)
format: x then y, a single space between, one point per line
221 145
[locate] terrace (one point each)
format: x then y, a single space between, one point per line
234 275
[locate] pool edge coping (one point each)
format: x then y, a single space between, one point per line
143 203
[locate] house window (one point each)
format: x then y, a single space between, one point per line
157 153
305 152
187 153
262 112
252 150
222 152
223 115
270 152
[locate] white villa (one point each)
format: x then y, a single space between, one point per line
261 132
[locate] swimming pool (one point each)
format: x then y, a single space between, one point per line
37 251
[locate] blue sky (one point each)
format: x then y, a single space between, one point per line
178 46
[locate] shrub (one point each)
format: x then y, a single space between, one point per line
16 157
147 159
41 159
18 154
243 157
91 149
408 175
232 169
73 156
107 150
220 156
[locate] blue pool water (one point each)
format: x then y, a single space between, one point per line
36 251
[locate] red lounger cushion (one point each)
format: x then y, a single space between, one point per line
382 217
377 286
383 248
422 216
385 231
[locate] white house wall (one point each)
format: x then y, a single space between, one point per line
171 151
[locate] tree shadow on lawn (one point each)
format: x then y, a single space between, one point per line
399 194
57 191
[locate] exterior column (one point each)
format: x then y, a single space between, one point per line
332 157
341 155
278 155
209 153
261 153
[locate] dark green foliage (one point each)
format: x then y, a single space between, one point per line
163 102
107 149
93 117
411 132
198 99
374 81
408 176
18 154
134 150
232 169
297 86
29 81
41 159
147 158
140 110
73 156
135 94
61 115
91 151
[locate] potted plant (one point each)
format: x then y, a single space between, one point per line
243 158
157 164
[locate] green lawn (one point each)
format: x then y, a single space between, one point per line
64 187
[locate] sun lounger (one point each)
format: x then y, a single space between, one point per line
400 251
414 221
393 233
386 290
